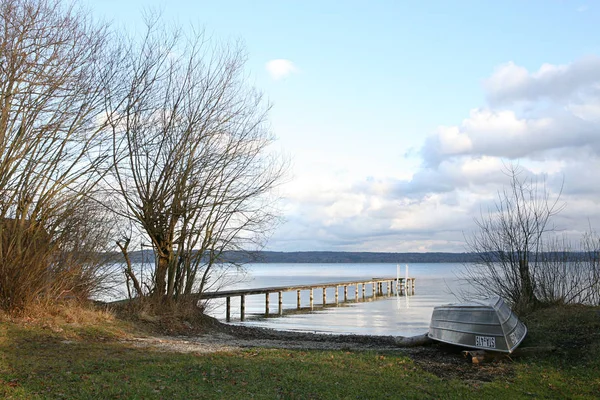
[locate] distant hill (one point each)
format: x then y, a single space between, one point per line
327 257
358 257
348 257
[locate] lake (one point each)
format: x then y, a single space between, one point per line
396 315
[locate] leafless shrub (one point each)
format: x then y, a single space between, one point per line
54 71
568 274
84 257
521 259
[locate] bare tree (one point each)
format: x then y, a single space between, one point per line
510 241
522 258
53 75
569 273
191 156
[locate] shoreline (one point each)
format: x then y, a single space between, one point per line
219 336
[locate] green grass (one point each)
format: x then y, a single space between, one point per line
91 363
38 366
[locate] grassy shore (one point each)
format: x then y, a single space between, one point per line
69 359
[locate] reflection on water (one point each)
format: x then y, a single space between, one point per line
384 315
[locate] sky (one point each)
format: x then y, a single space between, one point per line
400 116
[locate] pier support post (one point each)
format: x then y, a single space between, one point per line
280 303
228 309
242 307
403 286
267 304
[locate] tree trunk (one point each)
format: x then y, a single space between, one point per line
128 270
527 291
161 274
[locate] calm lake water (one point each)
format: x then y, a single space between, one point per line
396 315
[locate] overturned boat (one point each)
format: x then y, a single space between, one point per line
483 324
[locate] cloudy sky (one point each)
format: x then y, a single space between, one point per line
399 116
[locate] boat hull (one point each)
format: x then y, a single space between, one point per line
485 325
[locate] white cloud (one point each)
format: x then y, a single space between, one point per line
555 139
562 114
452 141
475 174
511 83
588 110
280 68
508 78
505 134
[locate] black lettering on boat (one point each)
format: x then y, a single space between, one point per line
485 341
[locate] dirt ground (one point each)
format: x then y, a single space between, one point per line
445 361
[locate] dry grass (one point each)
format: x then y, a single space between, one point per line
73 320
181 318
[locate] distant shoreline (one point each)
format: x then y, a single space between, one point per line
329 257
341 257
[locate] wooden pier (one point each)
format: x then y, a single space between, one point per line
392 286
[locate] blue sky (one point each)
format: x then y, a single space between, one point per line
398 115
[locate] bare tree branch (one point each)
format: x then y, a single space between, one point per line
521 259
191 156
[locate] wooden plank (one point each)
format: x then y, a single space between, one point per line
402 284
267 304
228 309
264 290
280 309
242 307
477 356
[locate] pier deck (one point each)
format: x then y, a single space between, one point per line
401 286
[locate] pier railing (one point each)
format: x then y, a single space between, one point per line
399 286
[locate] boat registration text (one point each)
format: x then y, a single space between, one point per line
485 341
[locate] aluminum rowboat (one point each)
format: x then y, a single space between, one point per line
487 325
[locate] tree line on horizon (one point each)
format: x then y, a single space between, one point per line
357 257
